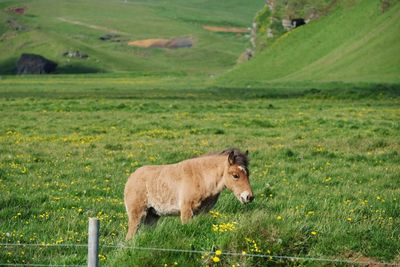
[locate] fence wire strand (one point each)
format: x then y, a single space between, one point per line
39 265
41 245
270 257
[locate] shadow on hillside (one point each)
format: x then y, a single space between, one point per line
77 69
9 67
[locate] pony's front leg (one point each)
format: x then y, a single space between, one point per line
186 212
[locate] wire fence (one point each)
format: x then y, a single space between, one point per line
203 252
37 265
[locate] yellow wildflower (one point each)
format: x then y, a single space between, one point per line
215 259
218 252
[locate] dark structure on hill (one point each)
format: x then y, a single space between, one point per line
297 22
35 64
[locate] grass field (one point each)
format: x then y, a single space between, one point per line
321 122
324 169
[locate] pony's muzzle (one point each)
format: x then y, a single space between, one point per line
246 197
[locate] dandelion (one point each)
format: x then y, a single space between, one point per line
253 245
313 233
349 219
224 227
215 214
279 217
215 259
102 257
243 252
218 252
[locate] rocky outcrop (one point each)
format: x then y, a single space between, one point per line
180 43
75 54
385 5
16 26
245 56
34 64
111 37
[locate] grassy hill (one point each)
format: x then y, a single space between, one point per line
356 43
53 27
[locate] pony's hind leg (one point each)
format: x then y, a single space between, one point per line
134 217
136 207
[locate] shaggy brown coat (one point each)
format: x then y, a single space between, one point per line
185 188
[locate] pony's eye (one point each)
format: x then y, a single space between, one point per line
235 176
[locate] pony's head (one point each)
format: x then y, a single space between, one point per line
236 178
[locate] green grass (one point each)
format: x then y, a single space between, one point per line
321 123
56 27
355 43
324 168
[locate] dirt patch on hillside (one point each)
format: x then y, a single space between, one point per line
225 29
17 10
149 43
182 42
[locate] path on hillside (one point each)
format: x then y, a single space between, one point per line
225 29
92 26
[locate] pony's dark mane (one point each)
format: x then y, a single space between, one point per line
241 158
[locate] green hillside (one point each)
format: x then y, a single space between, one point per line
53 27
356 43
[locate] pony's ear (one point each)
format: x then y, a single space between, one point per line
231 158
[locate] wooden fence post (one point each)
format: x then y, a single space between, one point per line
93 242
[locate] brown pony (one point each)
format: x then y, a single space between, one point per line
186 188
